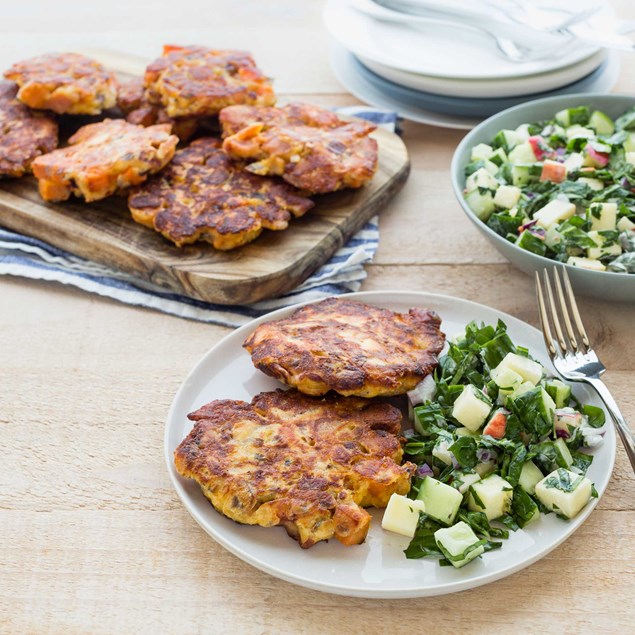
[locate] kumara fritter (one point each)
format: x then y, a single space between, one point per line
308 146
24 133
198 81
64 83
349 347
204 195
308 464
104 158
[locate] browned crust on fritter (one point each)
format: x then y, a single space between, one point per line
199 81
138 110
203 195
64 83
309 147
307 464
104 158
349 347
24 134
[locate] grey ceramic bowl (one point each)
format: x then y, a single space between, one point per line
599 284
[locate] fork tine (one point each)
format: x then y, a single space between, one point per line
565 312
544 319
576 314
554 314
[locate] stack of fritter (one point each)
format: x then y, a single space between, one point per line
308 463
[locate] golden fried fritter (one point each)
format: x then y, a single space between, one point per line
349 347
24 134
203 195
64 83
307 464
132 101
309 147
102 159
194 80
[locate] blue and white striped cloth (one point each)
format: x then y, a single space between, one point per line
343 273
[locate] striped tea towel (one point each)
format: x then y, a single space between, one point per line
343 273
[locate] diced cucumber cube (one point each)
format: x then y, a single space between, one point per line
586 263
579 132
559 392
485 468
601 123
459 540
530 242
507 196
465 432
603 216
571 116
481 179
465 480
521 175
554 212
481 151
526 386
595 184
522 153
471 408
530 475
498 157
442 501
506 139
527 368
505 377
402 515
629 144
564 492
553 237
481 204
492 495
563 456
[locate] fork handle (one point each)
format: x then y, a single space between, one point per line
628 439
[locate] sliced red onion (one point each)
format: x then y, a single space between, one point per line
424 470
409 434
562 434
625 182
484 455
538 232
527 225
561 151
530 195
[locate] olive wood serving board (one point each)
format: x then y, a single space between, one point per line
273 264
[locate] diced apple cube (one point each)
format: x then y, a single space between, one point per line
630 157
530 475
442 501
441 452
601 250
603 216
466 480
471 408
495 496
402 515
522 153
553 171
522 132
507 196
625 225
456 540
629 144
481 178
481 151
554 212
565 419
573 162
586 263
564 492
527 368
483 469
595 184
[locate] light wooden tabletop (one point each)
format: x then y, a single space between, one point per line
92 536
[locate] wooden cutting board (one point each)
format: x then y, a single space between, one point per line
273 264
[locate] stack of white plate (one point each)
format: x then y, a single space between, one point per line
452 75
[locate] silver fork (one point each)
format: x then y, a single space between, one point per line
573 356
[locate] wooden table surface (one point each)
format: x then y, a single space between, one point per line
93 538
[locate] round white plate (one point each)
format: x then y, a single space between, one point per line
484 88
440 50
377 568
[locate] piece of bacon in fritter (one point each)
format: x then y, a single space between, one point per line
309 147
104 158
204 195
198 81
138 110
24 133
310 465
349 347
64 83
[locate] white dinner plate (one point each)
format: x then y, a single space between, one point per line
489 88
377 568
441 50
